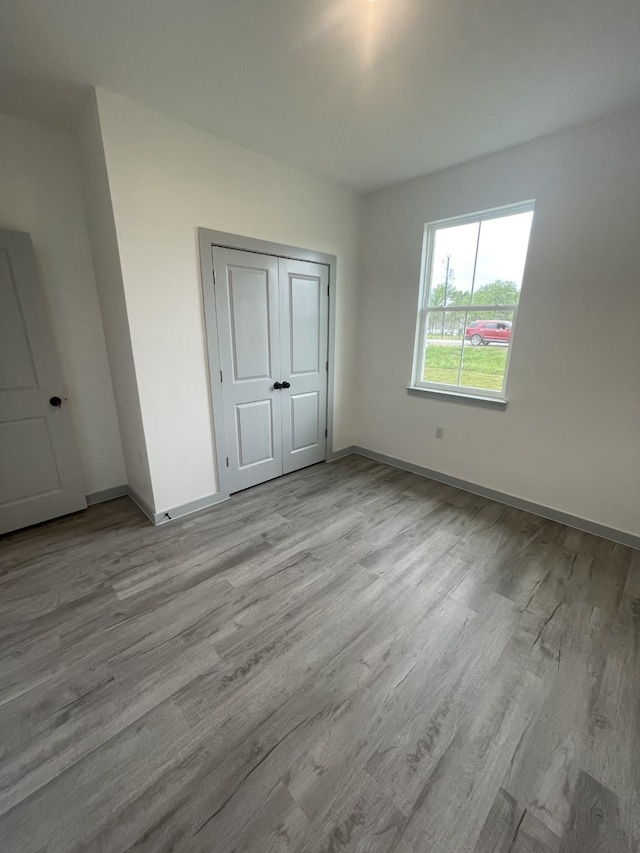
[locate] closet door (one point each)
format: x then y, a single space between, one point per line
304 324
246 291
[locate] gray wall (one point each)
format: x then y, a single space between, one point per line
570 437
165 180
42 194
108 273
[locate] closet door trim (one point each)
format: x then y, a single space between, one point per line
208 240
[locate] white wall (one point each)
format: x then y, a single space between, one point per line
108 274
570 437
166 180
42 194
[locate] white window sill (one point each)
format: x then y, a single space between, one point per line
459 397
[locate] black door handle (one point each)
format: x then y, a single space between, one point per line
56 402
277 385
286 385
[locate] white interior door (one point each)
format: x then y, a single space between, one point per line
40 472
304 329
246 289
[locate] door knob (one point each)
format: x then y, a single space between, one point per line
56 402
277 385
286 385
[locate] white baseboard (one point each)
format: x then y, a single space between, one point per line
339 454
107 495
620 536
168 515
188 508
583 524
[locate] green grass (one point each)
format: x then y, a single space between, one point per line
438 336
482 367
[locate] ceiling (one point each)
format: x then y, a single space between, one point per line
363 92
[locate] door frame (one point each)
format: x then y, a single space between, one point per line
207 241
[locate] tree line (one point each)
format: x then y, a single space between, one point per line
494 293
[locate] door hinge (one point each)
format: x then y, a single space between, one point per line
220 376
326 433
328 290
227 461
326 366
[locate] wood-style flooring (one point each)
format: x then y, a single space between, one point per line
349 658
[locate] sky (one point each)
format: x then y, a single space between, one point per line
501 251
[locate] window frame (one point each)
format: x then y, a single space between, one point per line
466 392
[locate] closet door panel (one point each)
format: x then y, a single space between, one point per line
303 348
248 311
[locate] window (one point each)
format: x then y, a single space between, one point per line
472 276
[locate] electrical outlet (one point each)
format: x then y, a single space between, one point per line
439 432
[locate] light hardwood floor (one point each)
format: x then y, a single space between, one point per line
347 658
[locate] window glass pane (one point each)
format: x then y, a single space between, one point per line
502 251
487 339
452 263
443 353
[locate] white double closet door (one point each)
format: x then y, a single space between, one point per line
272 316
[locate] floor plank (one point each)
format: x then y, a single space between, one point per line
595 825
509 828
